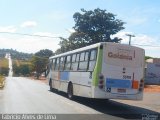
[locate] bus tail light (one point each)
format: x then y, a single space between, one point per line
141 85
135 84
101 81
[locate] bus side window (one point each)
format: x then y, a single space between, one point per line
68 63
57 64
61 64
53 64
83 64
75 60
92 59
50 64
73 57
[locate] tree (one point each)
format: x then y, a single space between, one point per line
97 26
92 27
23 69
46 53
40 60
4 71
39 65
148 57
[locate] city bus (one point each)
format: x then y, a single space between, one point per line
102 71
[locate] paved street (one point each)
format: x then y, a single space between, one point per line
22 95
10 66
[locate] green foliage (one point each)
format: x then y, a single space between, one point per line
44 53
21 70
39 65
97 26
40 60
4 70
91 27
15 54
21 67
147 57
2 78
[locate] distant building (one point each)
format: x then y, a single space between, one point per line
152 71
153 60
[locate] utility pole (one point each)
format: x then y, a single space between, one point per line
130 37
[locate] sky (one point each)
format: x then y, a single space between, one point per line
54 18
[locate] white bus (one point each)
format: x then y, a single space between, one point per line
102 70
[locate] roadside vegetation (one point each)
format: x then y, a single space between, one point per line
32 67
92 26
2 78
21 67
39 62
3 70
4 67
15 54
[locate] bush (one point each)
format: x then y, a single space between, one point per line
1 81
21 70
4 71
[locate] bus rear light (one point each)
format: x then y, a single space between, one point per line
101 77
135 84
101 81
141 86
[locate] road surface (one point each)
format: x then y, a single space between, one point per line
10 66
22 95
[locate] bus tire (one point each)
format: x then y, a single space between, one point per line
70 91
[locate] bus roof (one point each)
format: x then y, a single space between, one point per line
87 48
77 50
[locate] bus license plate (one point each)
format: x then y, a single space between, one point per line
121 90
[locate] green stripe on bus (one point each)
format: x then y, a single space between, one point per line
98 67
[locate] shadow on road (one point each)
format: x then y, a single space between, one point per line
113 108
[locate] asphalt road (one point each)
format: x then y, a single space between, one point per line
22 95
10 66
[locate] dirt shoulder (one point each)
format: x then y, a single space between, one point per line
152 88
41 79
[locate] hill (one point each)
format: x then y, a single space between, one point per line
15 54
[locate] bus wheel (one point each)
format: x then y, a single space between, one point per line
50 85
70 91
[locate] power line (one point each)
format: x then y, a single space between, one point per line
61 37
29 35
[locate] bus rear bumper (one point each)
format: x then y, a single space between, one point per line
138 96
101 94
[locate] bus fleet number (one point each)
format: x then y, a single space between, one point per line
126 77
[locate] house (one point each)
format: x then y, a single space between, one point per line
152 71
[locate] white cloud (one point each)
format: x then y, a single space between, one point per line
30 44
140 39
10 29
149 43
29 24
